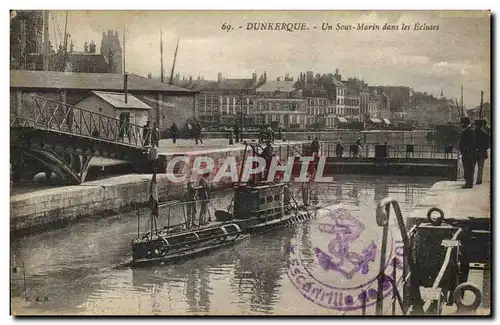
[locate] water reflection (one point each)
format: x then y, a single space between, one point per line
258 270
77 266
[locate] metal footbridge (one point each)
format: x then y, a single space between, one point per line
52 136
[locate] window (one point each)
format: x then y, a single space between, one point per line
262 200
277 197
100 109
269 199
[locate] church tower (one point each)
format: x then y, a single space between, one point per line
111 42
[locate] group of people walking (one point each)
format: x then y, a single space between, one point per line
473 146
152 135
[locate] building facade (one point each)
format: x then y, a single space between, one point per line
228 101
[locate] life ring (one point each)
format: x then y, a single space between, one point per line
459 291
439 220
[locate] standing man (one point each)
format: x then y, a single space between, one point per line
467 148
315 147
146 134
482 146
197 132
204 196
174 131
339 148
190 200
267 154
237 138
155 135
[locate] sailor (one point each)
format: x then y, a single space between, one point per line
155 135
146 134
315 147
339 149
197 132
174 131
267 154
467 149
190 200
358 146
204 196
482 146
237 138
270 134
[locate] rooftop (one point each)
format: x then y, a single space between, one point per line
272 86
235 84
117 100
90 81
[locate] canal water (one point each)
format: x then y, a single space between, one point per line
82 269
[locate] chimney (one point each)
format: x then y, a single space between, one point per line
219 77
150 75
71 47
125 87
86 46
92 47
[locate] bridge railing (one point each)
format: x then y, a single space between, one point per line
57 116
328 149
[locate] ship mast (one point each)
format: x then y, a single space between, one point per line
46 40
481 107
173 65
65 44
161 57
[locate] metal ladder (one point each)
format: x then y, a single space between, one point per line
382 217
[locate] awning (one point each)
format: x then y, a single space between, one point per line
375 120
386 121
342 119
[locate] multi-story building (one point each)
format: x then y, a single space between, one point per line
374 104
340 93
279 104
352 105
317 105
228 101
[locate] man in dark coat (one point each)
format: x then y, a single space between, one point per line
467 148
237 138
155 135
482 146
267 154
197 132
174 131
315 147
146 134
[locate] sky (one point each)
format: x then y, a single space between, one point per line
456 54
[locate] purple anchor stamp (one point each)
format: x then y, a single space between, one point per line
334 263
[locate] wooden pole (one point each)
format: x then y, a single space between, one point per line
24 279
138 223
481 106
124 51
22 26
161 57
46 40
173 65
65 46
